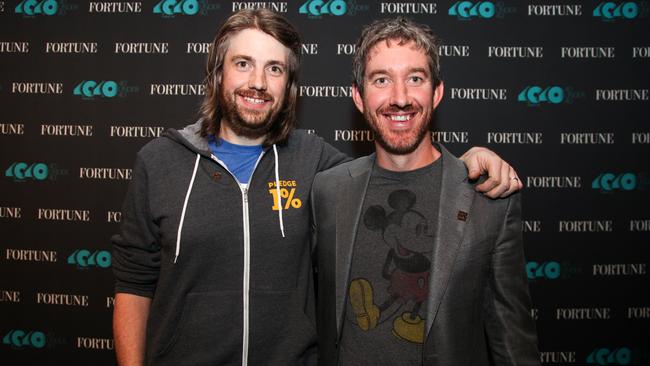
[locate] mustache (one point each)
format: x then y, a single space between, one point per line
249 93
397 109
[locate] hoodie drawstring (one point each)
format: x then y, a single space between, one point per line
187 198
277 189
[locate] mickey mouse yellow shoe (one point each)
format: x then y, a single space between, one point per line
408 329
365 311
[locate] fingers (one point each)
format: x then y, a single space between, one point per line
515 183
493 168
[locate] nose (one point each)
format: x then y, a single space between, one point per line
257 79
399 95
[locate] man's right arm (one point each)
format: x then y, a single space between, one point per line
129 328
136 266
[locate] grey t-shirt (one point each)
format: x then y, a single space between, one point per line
389 278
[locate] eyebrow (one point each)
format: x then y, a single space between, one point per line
250 59
384 71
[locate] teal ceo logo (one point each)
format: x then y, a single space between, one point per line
320 7
469 9
170 8
23 339
549 270
83 258
609 182
535 95
90 89
34 7
610 10
605 356
21 171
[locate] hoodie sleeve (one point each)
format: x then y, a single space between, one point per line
330 157
136 248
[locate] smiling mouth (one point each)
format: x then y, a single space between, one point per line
400 117
254 100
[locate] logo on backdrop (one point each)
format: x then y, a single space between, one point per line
467 10
606 356
18 338
408 8
316 9
22 172
610 11
610 182
539 95
9 296
91 89
623 95
14 47
172 8
557 357
640 52
553 182
115 7
85 259
278 7
95 343
33 8
12 128
555 10
550 270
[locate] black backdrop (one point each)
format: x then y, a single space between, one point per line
558 88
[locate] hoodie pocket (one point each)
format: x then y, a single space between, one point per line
282 329
209 331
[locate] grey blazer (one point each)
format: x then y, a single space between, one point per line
478 310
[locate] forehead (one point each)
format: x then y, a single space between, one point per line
258 45
394 55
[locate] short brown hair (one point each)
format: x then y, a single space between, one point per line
284 32
403 30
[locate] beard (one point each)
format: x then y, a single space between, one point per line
245 122
398 142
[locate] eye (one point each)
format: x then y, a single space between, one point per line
276 70
380 81
242 65
416 80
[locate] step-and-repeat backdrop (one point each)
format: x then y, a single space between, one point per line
558 88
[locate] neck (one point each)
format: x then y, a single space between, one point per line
226 133
422 156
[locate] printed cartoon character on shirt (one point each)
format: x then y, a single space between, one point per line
407 268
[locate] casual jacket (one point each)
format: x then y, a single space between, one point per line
478 306
229 272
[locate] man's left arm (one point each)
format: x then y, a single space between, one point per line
502 178
509 326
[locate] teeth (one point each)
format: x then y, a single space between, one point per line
401 118
254 100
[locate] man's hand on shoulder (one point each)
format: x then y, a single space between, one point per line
502 178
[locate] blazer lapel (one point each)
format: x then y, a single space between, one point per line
348 211
456 196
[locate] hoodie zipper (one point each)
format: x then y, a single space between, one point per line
247 255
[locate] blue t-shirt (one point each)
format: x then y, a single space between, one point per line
239 159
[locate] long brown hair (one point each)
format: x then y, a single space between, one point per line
277 27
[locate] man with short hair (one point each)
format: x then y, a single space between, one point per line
212 264
414 266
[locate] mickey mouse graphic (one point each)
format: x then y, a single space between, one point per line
407 268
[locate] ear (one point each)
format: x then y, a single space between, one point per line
437 94
356 97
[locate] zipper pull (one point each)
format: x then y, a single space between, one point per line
245 192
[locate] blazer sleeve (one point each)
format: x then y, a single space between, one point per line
510 329
136 248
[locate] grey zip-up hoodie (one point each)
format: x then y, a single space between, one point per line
229 272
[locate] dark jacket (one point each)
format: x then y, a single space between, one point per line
227 288
478 309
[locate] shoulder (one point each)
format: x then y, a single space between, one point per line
348 169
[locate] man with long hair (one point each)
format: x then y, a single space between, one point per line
213 261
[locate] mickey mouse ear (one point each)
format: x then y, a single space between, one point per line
375 218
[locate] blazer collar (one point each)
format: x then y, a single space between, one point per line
348 213
454 209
